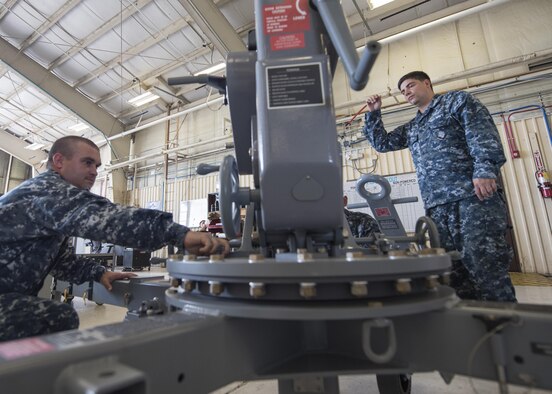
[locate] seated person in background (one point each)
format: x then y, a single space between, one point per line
215 224
203 225
361 224
41 214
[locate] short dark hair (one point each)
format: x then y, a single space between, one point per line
66 146
417 75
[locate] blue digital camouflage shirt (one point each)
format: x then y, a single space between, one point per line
361 224
452 142
38 216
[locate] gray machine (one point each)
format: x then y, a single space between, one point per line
294 300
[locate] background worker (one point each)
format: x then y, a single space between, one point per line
457 153
361 224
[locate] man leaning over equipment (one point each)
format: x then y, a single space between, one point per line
41 214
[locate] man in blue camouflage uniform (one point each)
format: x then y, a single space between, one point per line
361 224
41 214
457 153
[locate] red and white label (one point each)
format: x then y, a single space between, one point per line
287 41
285 23
23 347
382 212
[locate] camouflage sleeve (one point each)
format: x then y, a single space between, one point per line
77 212
379 138
75 269
482 136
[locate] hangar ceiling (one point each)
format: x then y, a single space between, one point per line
67 64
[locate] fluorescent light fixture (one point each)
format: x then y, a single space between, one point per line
79 127
377 3
143 99
35 146
213 69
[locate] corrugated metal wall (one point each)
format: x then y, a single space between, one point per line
531 213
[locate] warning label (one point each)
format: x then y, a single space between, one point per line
23 347
383 212
296 85
287 41
287 17
388 224
285 23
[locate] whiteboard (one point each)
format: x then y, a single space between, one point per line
402 185
192 212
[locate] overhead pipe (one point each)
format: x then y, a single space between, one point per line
441 21
164 118
495 66
510 139
488 86
112 167
529 108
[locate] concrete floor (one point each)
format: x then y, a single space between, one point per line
423 383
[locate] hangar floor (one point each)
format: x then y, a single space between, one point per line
530 288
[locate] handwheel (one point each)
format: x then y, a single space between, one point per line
229 183
427 230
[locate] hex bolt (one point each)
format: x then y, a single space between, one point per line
175 282
395 254
188 285
304 257
307 289
280 250
432 251
257 289
445 278
178 257
403 286
432 281
215 258
189 257
359 288
256 258
215 288
351 256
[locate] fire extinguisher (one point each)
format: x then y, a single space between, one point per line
543 179
544 184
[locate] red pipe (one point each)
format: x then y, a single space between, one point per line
510 138
347 124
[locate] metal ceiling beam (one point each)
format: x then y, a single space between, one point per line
30 115
59 90
214 25
16 147
169 67
134 111
133 51
158 71
100 31
6 7
171 89
47 25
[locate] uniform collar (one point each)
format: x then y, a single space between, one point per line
434 102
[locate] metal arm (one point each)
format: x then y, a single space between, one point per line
218 83
336 25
